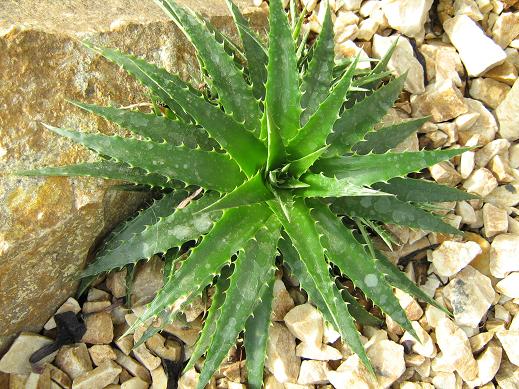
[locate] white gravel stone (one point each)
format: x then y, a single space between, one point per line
323 353
503 255
488 365
450 257
16 360
407 16
98 378
442 100
506 28
425 346
444 380
402 60
485 126
470 294
471 41
480 182
510 342
388 361
282 301
507 114
313 372
495 220
281 359
490 92
456 350
305 322
351 374
509 286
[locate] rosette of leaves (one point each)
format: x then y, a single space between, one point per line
287 160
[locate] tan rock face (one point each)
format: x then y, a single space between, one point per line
49 225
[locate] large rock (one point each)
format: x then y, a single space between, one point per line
50 225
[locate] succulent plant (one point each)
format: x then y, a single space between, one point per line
282 156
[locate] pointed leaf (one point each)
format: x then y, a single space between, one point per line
105 169
322 186
399 280
300 166
389 209
256 336
207 169
371 168
313 135
282 90
317 80
242 145
356 122
350 257
386 138
303 233
255 52
180 226
422 191
157 128
250 192
234 93
228 236
275 147
358 312
253 270
204 341
291 258
150 216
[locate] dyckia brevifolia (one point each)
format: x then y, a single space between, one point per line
284 147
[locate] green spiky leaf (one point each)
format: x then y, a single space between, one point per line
390 210
282 89
368 169
256 336
255 52
204 168
317 79
234 93
414 190
356 122
252 272
322 186
105 169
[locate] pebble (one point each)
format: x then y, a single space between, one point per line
116 283
479 341
134 383
388 361
424 346
188 380
490 150
445 174
351 374
481 182
100 353
148 278
313 372
488 365
470 294
407 16
485 126
442 100
507 113
503 255
402 60
99 328
323 353
455 346
133 367
495 220
471 41
509 286
98 378
490 92
506 28
305 322
450 257
282 302
159 378
16 360
510 341
74 360
281 358
444 380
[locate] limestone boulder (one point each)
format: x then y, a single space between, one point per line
49 226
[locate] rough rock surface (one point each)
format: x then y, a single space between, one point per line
49 225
